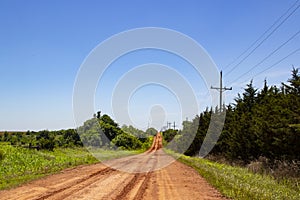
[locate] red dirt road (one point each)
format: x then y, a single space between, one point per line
98 181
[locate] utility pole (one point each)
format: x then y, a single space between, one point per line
169 125
174 125
221 90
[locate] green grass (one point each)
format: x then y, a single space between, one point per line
19 165
239 183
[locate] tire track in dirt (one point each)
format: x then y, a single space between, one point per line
142 186
127 186
136 187
136 177
146 182
130 185
165 190
83 183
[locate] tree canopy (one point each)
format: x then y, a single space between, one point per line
262 122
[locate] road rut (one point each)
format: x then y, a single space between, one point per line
151 175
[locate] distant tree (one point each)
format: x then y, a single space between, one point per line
5 137
127 141
97 132
45 140
141 135
169 134
151 131
90 133
71 138
107 120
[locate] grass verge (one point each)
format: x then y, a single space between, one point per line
19 165
239 183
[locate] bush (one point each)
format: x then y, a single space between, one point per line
2 155
280 169
127 141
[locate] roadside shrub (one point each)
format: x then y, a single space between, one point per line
279 169
2 156
127 141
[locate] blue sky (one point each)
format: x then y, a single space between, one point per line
43 44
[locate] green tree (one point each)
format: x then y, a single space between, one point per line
141 135
169 134
151 131
127 141
261 123
45 140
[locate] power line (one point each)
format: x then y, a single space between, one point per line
274 64
260 37
269 55
284 20
279 61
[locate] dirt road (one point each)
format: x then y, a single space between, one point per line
144 176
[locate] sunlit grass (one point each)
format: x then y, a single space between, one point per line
20 165
239 183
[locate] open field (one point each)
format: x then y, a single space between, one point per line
150 175
97 181
19 165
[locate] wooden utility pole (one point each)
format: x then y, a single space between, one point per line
169 125
221 90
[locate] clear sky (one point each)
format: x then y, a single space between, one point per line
43 44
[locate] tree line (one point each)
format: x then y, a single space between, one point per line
263 122
44 139
102 132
